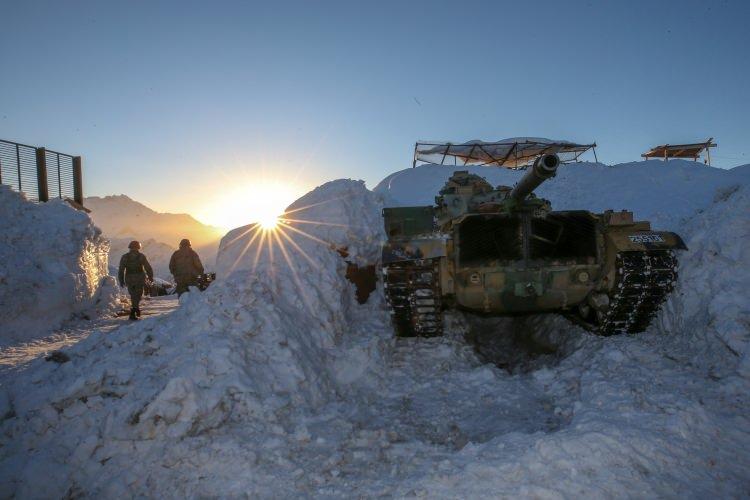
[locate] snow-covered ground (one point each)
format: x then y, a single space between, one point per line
53 267
275 382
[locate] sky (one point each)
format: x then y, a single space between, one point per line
226 110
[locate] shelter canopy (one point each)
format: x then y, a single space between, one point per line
510 153
679 150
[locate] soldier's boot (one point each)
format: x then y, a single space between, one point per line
138 311
132 316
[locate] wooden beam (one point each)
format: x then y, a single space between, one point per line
471 152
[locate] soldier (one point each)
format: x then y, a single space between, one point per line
185 266
134 268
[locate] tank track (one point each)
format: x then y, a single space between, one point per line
643 281
412 289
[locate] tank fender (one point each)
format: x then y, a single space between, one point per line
626 241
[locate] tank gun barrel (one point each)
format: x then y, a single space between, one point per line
543 168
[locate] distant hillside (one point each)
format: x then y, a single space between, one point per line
123 219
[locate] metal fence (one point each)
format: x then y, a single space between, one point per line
39 173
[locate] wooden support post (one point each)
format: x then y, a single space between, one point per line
77 180
41 174
708 155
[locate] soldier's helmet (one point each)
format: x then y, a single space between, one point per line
185 243
134 245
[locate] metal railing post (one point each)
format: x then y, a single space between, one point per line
77 180
18 168
41 174
59 180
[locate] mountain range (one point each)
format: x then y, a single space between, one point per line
123 219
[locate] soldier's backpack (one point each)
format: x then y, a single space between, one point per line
134 263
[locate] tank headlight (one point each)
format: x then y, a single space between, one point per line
583 276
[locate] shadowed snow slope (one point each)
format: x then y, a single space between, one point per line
53 261
276 383
712 299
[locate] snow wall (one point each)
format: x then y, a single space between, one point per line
52 263
709 311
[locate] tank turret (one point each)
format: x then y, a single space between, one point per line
466 193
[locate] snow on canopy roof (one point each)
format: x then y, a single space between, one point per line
516 152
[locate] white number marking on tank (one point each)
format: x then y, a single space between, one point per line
646 238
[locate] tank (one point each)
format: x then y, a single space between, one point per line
504 251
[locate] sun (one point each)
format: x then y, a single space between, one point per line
260 202
269 222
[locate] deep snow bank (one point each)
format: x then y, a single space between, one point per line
256 346
52 263
663 192
710 307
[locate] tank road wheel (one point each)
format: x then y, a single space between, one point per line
643 281
412 289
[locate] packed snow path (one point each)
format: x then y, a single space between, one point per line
15 355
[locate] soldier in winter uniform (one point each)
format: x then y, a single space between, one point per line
134 268
185 266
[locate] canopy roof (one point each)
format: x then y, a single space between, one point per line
509 153
679 150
